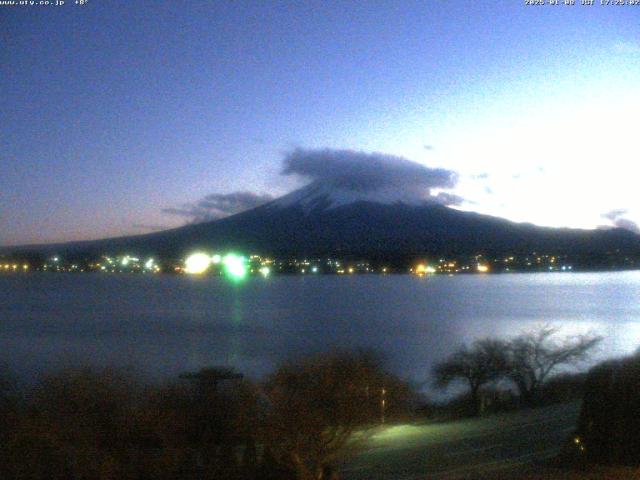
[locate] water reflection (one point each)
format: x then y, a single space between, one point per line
169 324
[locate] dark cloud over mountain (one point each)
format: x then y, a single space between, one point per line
366 172
150 228
219 205
369 173
616 217
449 199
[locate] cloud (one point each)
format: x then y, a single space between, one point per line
480 176
627 225
367 172
614 214
218 205
149 228
449 199
616 217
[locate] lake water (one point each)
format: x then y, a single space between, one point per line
164 325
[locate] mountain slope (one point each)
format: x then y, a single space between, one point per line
317 221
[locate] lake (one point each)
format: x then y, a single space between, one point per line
163 325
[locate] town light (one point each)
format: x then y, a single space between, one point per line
197 263
235 266
423 269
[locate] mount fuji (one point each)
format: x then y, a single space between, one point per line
322 220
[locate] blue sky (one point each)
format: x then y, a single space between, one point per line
115 112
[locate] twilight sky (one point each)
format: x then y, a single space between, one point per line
124 117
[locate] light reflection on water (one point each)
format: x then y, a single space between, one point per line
168 324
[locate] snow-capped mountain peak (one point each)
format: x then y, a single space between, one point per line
322 196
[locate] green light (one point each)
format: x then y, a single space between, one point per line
234 266
216 259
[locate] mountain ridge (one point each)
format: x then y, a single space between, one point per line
311 222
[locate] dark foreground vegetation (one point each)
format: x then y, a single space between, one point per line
517 372
88 424
104 424
606 443
609 425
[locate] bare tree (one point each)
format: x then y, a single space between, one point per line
484 362
315 407
534 355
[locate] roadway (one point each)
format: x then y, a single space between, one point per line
464 448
